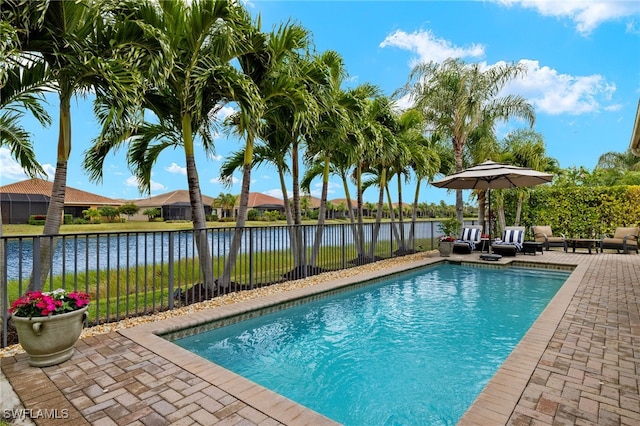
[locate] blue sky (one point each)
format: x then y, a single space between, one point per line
583 59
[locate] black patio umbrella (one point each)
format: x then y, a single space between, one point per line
491 175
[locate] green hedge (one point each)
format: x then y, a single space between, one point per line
579 211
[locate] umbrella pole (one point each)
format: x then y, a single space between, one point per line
489 191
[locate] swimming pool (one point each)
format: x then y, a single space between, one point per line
416 349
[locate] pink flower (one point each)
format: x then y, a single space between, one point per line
42 304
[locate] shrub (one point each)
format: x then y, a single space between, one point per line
68 219
253 214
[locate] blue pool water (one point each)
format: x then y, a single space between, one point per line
413 350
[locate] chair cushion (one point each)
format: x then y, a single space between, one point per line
546 230
621 232
618 242
513 236
470 234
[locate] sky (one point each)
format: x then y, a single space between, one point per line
583 80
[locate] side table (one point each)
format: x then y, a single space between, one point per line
531 247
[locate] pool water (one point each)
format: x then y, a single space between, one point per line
412 350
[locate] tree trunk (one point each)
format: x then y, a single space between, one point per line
241 220
360 248
392 217
197 207
55 211
458 147
298 250
414 216
321 212
402 247
352 220
516 222
376 227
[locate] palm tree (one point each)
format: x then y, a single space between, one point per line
524 148
272 66
340 109
226 202
16 98
456 97
424 159
199 41
623 161
84 47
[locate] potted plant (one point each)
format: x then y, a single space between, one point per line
450 228
49 324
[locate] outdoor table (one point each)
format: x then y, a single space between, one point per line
588 243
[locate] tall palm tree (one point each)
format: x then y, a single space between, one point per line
199 41
424 160
271 64
340 109
82 53
456 97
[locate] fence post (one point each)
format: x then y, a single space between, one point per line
344 247
36 262
171 267
4 303
250 258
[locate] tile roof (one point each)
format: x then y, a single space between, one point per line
72 196
180 196
257 199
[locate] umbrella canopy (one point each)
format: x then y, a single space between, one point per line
491 175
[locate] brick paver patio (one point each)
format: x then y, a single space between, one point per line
579 364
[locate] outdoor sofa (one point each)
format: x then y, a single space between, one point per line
470 238
543 234
625 239
511 243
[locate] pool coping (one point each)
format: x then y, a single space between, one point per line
494 404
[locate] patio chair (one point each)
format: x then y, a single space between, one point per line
511 242
543 234
469 237
625 239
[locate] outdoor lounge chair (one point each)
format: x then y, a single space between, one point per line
625 239
543 234
469 237
511 242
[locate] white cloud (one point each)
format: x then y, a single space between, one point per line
12 170
215 157
155 186
316 191
275 193
224 112
555 93
174 168
430 48
586 14
49 170
218 180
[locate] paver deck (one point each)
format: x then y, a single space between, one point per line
579 364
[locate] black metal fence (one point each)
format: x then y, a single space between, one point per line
137 273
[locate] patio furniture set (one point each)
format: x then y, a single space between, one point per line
625 239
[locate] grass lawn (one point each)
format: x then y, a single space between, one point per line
25 229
